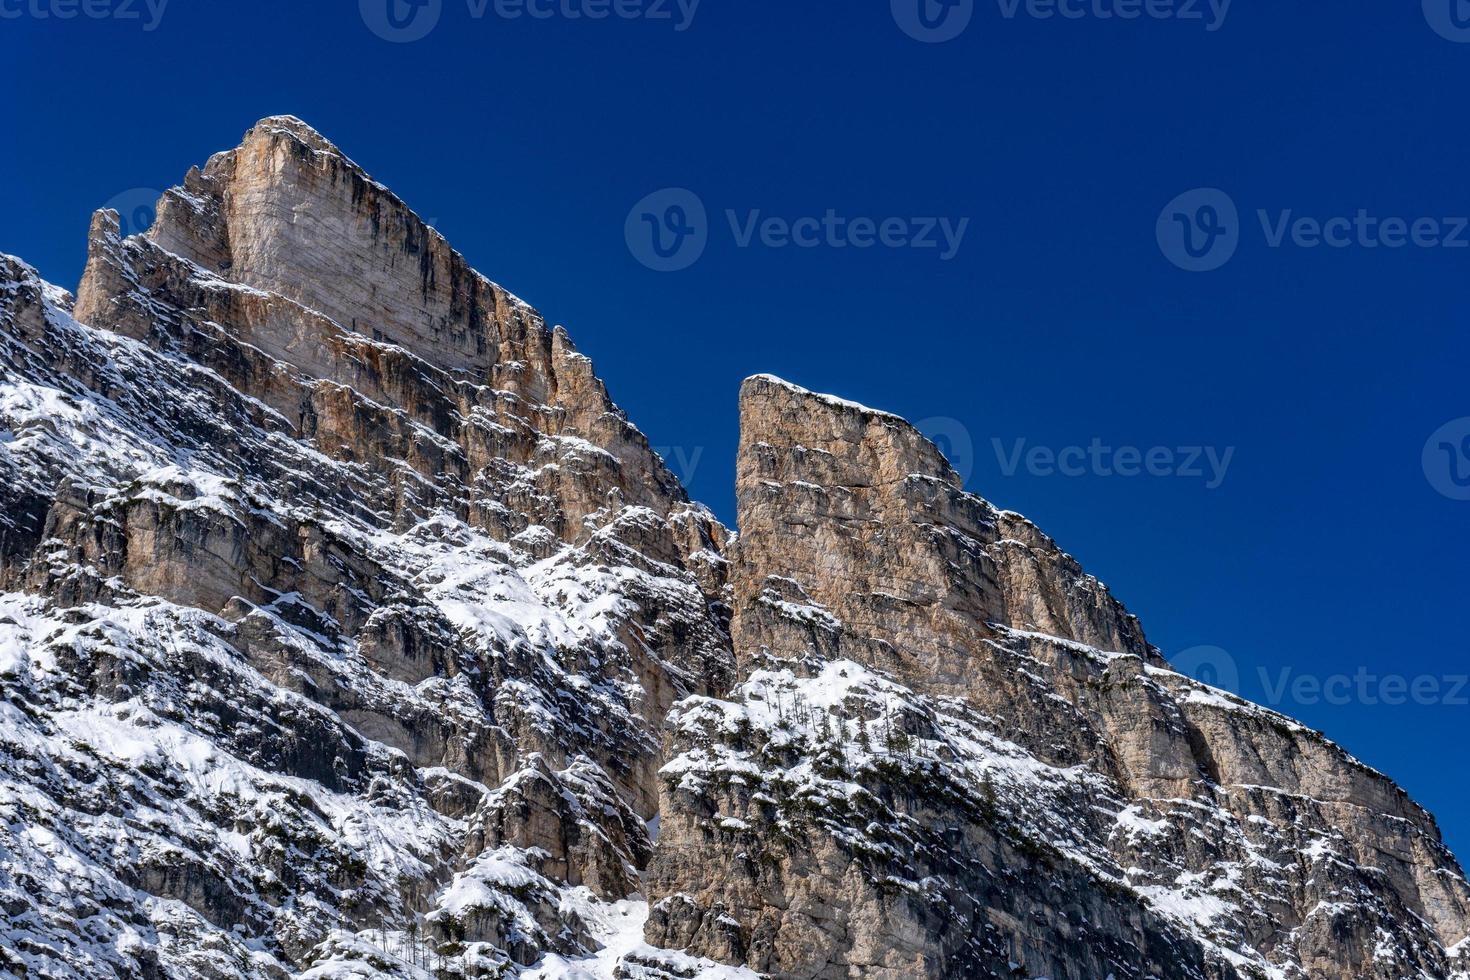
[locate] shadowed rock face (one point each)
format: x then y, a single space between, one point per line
953 753
348 626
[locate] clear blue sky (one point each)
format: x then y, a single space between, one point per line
1326 549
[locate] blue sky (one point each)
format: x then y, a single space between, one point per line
1068 157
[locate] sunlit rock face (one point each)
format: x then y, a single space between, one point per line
343 607
953 753
349 629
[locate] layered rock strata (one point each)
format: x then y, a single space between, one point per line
349 629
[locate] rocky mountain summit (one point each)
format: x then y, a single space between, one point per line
349 629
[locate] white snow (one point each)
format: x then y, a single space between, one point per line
830 400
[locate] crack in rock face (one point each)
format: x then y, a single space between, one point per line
348 628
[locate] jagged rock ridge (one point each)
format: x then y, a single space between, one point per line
348 628
953 753
342 605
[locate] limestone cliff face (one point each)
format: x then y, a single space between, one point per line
340 599
853 511
287 213
349 629
953 753
362 312
859 504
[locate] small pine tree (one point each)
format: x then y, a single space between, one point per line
902 744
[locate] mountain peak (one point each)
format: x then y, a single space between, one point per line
875 445
756 383
275 129
290 245
288 213
294 125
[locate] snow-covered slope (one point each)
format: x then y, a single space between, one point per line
349 629
319 656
